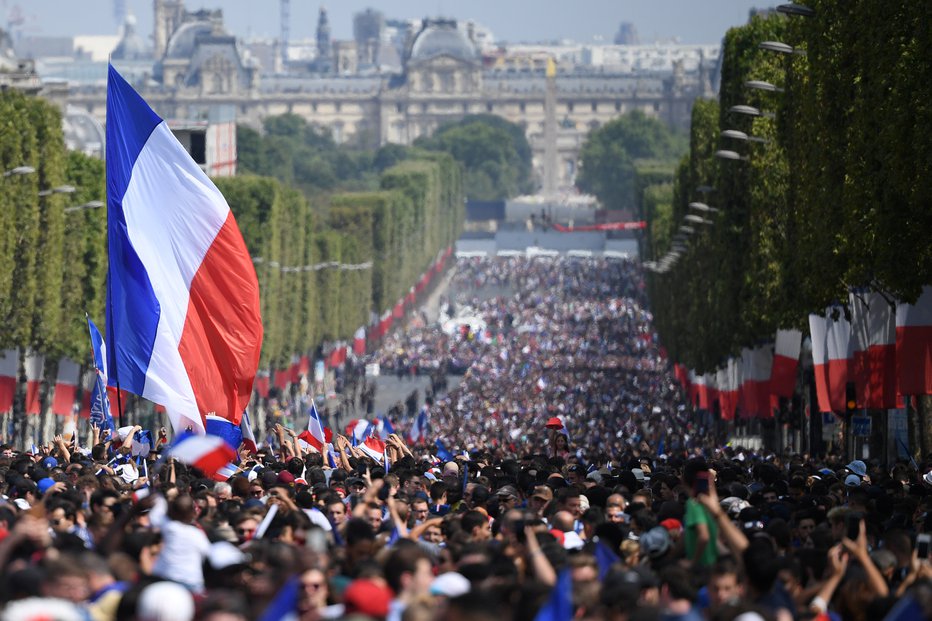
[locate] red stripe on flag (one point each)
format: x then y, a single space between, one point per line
222 335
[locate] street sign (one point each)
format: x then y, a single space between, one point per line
861 426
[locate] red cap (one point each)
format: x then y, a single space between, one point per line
367 597
285 477
554 423
672 524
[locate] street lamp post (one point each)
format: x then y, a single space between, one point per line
739 135
761 85
725 154
62 189
19 170
780 48
87 205
796 9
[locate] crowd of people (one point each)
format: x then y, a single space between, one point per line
564 477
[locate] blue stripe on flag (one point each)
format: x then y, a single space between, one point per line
132 308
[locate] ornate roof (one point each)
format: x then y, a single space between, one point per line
183 42
131 46
441 37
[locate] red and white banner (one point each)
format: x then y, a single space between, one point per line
832 359
914 346
35 368
708 391
607 226
728 397
359 342
785 362
873 335
9 373
682 375
756 365
66 387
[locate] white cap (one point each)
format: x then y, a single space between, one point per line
450 584
165 601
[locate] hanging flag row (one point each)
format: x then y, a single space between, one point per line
881 348
378 329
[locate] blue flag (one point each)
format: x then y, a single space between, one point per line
442 451
559 606
285 604
100 404
605 557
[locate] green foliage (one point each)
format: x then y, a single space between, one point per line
607 161
303 156
494 152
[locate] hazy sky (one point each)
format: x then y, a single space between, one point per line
691 21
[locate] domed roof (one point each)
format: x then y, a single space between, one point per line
181 45
131 46
442 38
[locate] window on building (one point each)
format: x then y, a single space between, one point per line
617 106
521 107
488 107
337 106
595 106
399 108
569 107
199 147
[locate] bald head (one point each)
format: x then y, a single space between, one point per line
563 521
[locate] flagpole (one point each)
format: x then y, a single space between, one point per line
119 403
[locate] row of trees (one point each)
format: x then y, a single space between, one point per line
398 229
52 262
837 196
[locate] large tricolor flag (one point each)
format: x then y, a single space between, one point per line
873 336
183 324
914 345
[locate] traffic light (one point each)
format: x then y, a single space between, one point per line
851 400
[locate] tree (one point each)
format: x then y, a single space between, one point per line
495 155
607 159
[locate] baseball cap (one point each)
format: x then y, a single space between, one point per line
49 462
45 484
450 584
507 490
543 492
285 477
857 467
672 524
367 597
655 542
852 480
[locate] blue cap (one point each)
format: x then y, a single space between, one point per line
49 462
45 484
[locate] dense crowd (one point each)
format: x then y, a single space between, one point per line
563 478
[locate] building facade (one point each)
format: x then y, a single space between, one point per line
444 77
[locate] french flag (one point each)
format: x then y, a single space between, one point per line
66 387
384 428
9 374
222 428
249 438
183 322
914 345
759 383
787 347
873 334
358 430
419 428
35 368
315 434
374 448
209 454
